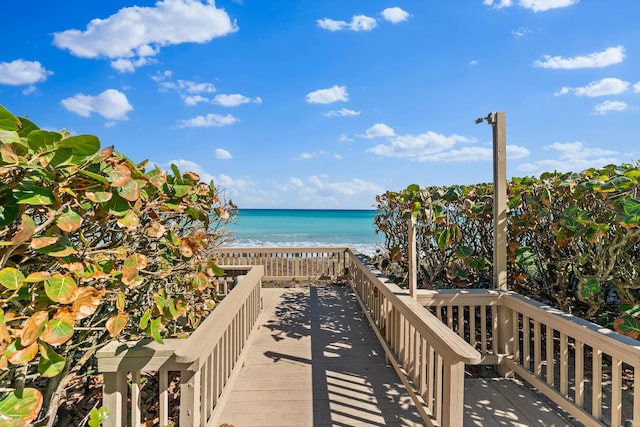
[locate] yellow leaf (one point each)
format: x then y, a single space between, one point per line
33 327
25 231
87 302
117 323
18 355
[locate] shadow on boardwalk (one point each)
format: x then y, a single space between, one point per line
316 362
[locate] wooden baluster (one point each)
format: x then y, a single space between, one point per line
579 373
596 388
537 349
115 398
550 356
190 398
616 391
163 383
564 364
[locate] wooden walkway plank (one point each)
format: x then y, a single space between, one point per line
348 383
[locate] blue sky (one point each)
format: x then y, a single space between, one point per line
325 104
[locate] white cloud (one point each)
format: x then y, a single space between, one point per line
338 157
190 91
181 86
296 182
606 106
210 120
498 4
515 152
419 147
606 86
234 185
307 156
21 72
395 15
192 100
328 96
378 130
473 62
358 23
636 87
342 113
222 154
609 56
345 138
110 104
534 5
521 32
571 157
544 5
473 154
133 35
320 186
233 100
188 166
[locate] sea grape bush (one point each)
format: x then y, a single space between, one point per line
93 247
573 239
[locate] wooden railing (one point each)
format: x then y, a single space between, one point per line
202 364
586 369
429 358
289 263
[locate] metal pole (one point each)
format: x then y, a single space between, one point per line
498 122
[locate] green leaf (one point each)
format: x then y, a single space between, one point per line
7 120
98 416
515 201
95 176
117 206
157 177
525 257
61 157
155 330
81 145
181 190
51 363
144 320
590 288
21 406
27 126
42 140
628 325
11 278
8 137
9 210
61 288
464 251
28 195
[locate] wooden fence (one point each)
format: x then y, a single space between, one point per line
586 369
202 364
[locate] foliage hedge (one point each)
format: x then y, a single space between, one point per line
573 239
93 247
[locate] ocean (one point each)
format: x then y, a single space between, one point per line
306 227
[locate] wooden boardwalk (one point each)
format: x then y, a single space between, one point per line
314 361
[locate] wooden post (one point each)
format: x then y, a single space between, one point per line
453 395
498 122
413 265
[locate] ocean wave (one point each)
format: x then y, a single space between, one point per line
364 248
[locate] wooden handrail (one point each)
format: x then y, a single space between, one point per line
205 360
199 344
431 367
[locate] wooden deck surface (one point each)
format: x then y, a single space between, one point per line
316 362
